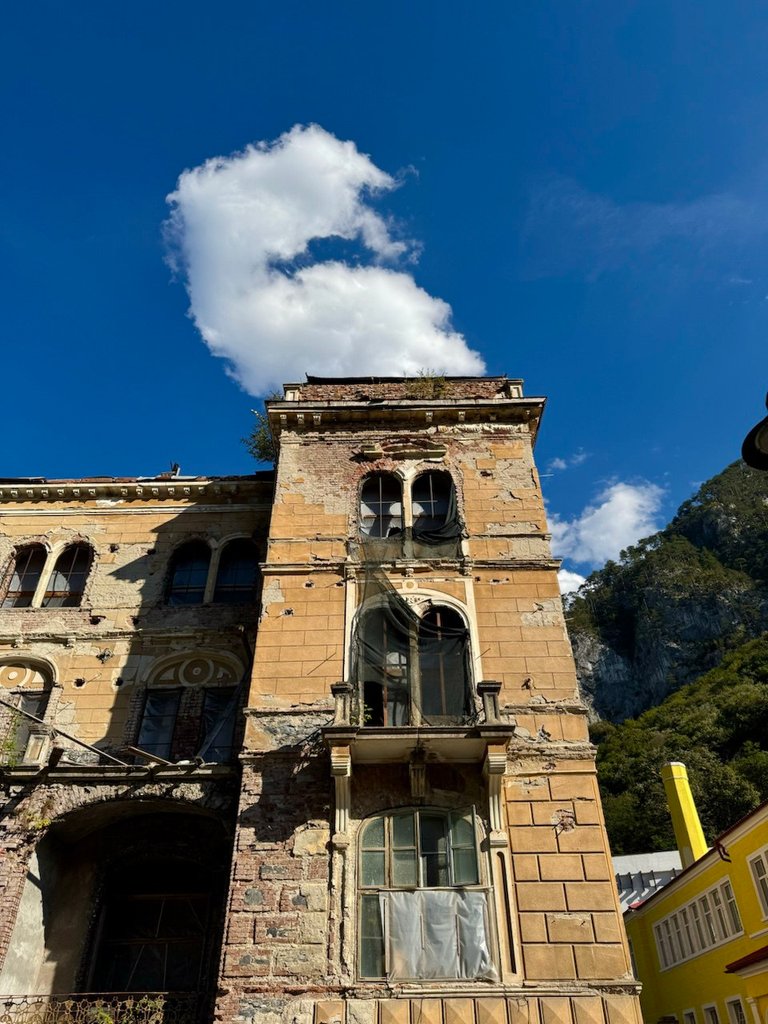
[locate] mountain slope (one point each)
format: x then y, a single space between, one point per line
718 726
676 602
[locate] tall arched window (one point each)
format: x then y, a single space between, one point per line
188 574
22 576
67 583
413 669
443 665
423 913
433 500
238 573
381 506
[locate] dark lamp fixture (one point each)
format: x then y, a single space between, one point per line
754 451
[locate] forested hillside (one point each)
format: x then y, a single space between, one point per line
676 602
675 633
718 726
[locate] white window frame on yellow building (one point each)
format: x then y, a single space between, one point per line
732 1019
711 912
715 1019
761 889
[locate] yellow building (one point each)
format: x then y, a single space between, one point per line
700 944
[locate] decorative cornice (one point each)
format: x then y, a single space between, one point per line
173 489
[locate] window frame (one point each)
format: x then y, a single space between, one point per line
404 531
411 665
760 882
735 1018
215 568
703 923
366 891
172 589
31 549
60 596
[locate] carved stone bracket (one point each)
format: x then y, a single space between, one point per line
341 772
494 768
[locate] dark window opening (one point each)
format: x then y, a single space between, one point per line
381 506
413 671
385 665
23 576
188 574
15 726
67 583
217 732
238 573
158 723
152 936
443 668
431 496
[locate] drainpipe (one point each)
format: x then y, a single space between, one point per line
685 819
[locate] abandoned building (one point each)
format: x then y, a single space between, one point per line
306 746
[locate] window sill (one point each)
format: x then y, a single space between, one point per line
377 744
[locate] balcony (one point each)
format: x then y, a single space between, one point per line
103 1008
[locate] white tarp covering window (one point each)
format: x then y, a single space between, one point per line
436 934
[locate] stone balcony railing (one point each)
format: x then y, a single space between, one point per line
102 1008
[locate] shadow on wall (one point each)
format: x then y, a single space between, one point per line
127 896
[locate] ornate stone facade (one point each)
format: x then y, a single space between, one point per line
413 754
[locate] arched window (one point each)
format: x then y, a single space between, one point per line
443 665
238 574
381 506
413 669
385 658
423 913
22 576
433 500
67 583
188 574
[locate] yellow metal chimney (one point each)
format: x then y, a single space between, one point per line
685 817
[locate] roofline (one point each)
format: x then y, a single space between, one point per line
311 379
713 850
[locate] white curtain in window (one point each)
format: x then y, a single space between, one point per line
436 934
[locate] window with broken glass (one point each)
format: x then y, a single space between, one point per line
22 576
208 731
413 669
153 930
425 525
423 912
65 587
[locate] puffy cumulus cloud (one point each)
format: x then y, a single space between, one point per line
245 231
569 581
619 516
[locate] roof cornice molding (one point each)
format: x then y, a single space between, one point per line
211 490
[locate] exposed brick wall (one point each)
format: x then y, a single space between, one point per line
367 388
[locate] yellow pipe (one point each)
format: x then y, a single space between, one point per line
685 819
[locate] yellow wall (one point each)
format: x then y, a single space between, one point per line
701 980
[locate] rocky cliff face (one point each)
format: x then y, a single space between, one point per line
677 602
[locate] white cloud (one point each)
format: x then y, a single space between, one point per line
559 464
241 231
569 581
619 516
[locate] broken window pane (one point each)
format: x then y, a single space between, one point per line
443 665
22 576
158 722
220 706
67 583
381 506
431 496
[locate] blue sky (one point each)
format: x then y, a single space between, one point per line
584 185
